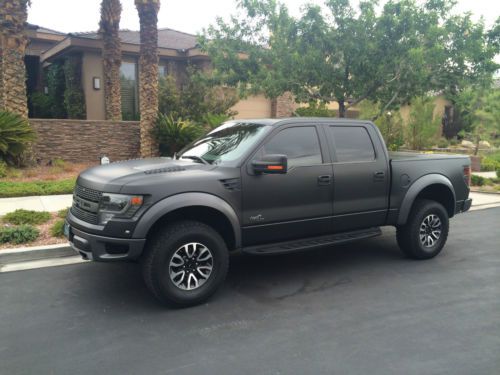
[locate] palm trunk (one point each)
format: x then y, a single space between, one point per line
111 57
13 72
148 74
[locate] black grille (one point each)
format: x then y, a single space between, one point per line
84 215
88 194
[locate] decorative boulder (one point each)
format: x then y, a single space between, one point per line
467 144
484 144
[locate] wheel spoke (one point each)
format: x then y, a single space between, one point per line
204 255
204 271
177 260
192 278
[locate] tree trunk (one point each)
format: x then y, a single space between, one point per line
148 74
342 109
111 57
13 71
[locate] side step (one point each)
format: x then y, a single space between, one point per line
313 242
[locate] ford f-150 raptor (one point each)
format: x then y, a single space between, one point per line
262 187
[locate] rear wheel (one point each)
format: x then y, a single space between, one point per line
185 264
426 231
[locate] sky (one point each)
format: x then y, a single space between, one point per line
187 15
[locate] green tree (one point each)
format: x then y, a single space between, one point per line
348 54
423 128
196 98
389 123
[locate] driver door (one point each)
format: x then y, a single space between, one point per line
297 204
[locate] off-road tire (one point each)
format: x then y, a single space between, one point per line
159 251
408 235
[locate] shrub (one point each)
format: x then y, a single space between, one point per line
315 110
498 173
23 189
3 169
173 134
57 230
74 99
58 163
422 127
15 135
21 216
18 235
488 164
442 143
62 213
477 180
42 105
212 121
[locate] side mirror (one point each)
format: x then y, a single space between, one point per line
271 164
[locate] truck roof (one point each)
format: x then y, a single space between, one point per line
299 120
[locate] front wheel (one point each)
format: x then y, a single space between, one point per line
185 263
426 231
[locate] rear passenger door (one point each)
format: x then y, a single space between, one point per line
360 177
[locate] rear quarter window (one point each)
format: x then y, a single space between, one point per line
352 144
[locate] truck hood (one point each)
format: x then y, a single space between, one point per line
113 177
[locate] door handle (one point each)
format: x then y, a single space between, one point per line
378 176
325 179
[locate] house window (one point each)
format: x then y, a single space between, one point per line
162 71
128 79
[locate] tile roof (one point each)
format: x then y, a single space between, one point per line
45 30
167 38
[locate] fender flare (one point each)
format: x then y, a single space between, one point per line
416 188
174 202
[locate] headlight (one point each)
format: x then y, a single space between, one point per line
118 205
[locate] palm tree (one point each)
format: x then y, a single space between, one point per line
148 73
13 15
109 28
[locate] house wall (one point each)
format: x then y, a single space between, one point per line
94 99
253 107
440 103
85 140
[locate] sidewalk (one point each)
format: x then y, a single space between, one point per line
51 203
484 200
485 174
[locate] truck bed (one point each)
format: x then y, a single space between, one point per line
407 167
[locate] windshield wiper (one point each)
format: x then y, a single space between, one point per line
195 158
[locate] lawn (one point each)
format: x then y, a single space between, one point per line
58 178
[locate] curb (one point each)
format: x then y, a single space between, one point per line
27 254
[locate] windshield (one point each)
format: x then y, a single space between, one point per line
224 144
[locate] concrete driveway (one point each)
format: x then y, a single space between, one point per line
352 309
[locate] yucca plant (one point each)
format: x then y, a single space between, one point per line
15 135
174 133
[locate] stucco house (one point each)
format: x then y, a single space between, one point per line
176 51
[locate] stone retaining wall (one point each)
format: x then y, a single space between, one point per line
85 140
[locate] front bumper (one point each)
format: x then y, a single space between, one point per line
463 206
103 249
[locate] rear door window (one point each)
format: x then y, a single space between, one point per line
352 144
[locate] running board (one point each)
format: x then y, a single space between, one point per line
312 243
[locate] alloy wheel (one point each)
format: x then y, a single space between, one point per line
190 266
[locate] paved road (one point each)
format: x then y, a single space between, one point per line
353 309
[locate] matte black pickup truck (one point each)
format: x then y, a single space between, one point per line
262 187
